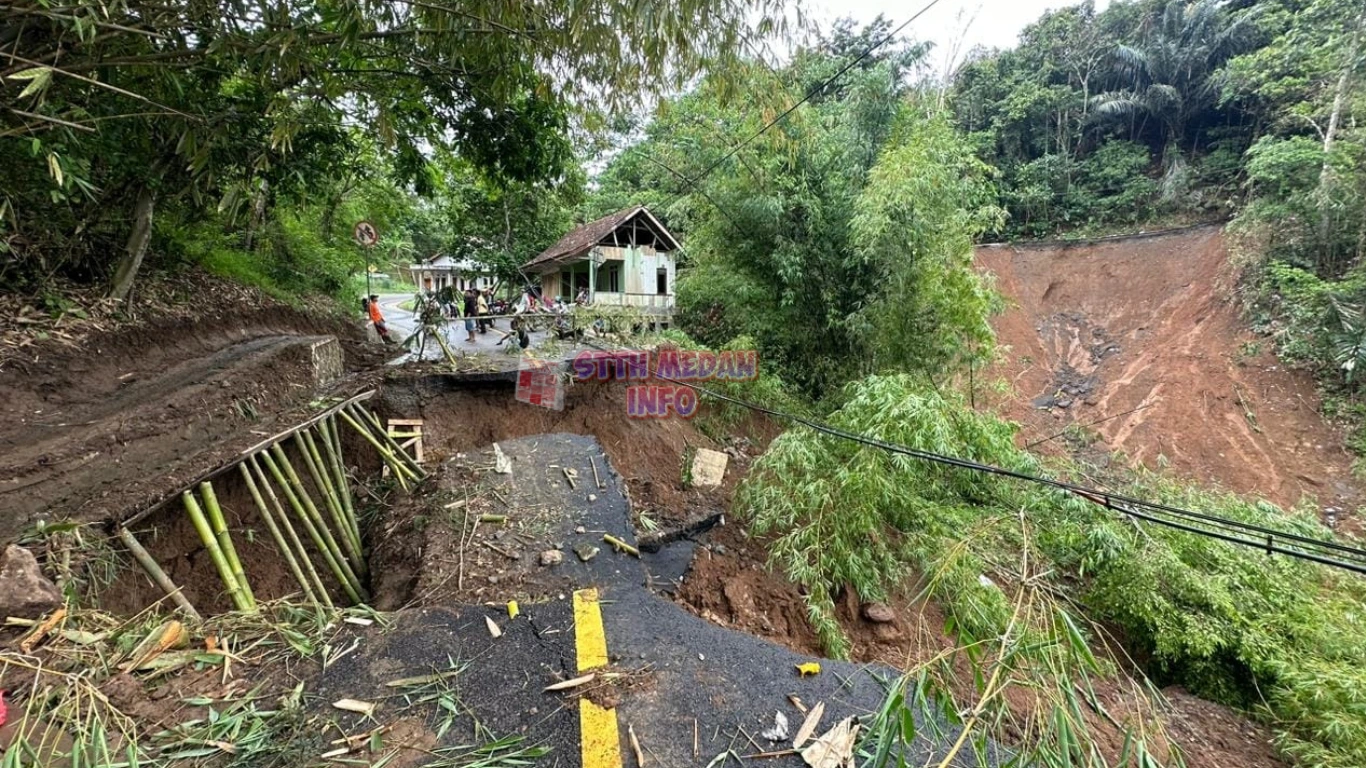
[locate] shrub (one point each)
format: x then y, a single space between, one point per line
1228 622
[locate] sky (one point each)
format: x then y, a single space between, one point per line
954 26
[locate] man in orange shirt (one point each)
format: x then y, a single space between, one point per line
378 319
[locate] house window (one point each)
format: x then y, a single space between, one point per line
609 278
662 281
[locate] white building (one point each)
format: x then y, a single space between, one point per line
441 272
625 259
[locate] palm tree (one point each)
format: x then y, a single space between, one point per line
1172 78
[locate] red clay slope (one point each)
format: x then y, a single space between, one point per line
1095 329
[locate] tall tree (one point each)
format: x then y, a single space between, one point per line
1170 76
143 101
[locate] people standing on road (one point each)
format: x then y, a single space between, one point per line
471 310
378 319
481 308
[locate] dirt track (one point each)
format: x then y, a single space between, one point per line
1097 329
101 433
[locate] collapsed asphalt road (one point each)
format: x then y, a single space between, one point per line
690 691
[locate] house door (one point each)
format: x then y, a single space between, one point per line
662 281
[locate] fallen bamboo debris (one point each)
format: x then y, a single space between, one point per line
355 705
620 545
635 745
809 725
573 682
155 572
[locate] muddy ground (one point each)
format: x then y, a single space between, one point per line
1139 339
106 428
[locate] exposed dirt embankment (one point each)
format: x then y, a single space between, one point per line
101 429
1143 325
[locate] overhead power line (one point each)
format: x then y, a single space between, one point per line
1269 540
811 94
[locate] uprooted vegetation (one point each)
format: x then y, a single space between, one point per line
1033 579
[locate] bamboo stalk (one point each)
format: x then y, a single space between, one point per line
393 444
399 469
336 482
321 481
201 524
278 436
332 446
308 513
279 536
450 356
369 417
157 575
320 587
220 528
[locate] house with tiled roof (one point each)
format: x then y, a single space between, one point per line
440 272
625 259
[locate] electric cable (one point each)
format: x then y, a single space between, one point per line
1270 540
810 94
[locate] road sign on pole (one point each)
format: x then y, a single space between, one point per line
366 236
365 233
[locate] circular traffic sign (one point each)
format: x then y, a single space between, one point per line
366 234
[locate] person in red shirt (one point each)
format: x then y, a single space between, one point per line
378 319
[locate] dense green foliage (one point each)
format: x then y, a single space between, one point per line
1303 231
840 241
1112 118
1226 622
225 118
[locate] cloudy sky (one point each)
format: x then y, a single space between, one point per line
951 24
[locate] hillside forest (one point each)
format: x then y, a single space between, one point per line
139 138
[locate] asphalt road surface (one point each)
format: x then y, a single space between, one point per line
403 323
691 691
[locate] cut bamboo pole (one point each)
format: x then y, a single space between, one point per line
278 436
157 575
201 524
369 418
349 529
332 446
313 462
220 528
400 470
408 460
320 587
275 533
308 513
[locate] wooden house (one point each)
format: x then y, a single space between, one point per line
625 259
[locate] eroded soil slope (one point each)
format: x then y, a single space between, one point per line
1143 324
105 428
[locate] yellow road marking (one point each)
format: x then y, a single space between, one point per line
590 639
599 739
599 742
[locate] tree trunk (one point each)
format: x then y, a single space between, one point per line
136 248
1334 122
